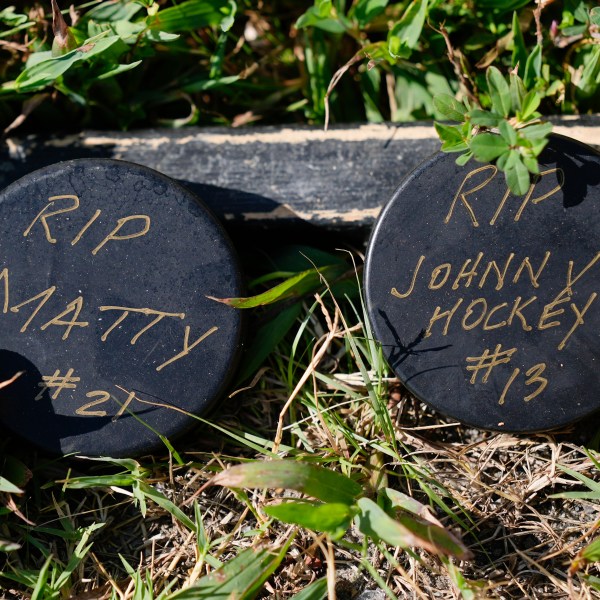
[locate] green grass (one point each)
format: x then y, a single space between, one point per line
349 483
226 62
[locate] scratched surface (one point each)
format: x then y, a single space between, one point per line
487 304
267 176
104 272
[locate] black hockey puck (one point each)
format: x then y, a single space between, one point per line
106 332
486 303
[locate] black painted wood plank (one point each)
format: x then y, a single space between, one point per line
267 176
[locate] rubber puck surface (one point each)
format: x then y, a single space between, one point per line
486 304
106 267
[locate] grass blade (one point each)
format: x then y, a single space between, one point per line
296 286
191 15
317 590
167 505
239 579
9 488
40 591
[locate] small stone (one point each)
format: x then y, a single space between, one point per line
371 595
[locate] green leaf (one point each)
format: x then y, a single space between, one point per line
322 16
202 540
110 12
537 146
90 481
11 18
331 25
134 474
395 499
118 70
364 11
46 72
451 136
499 91
581 10
595 16
9 488
324 8
488 146
588 554
167 505
7 546
531 101
591 553
378 51
517 92
538 131
507 160
405 34
129 32
317 590
154 35
463 159
191 15
407 531
533 67
589 80
579 29
485 118
508 133
531 163
517 178
242 578
294 287
519 53
229 19
332 517
318 482
450 107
